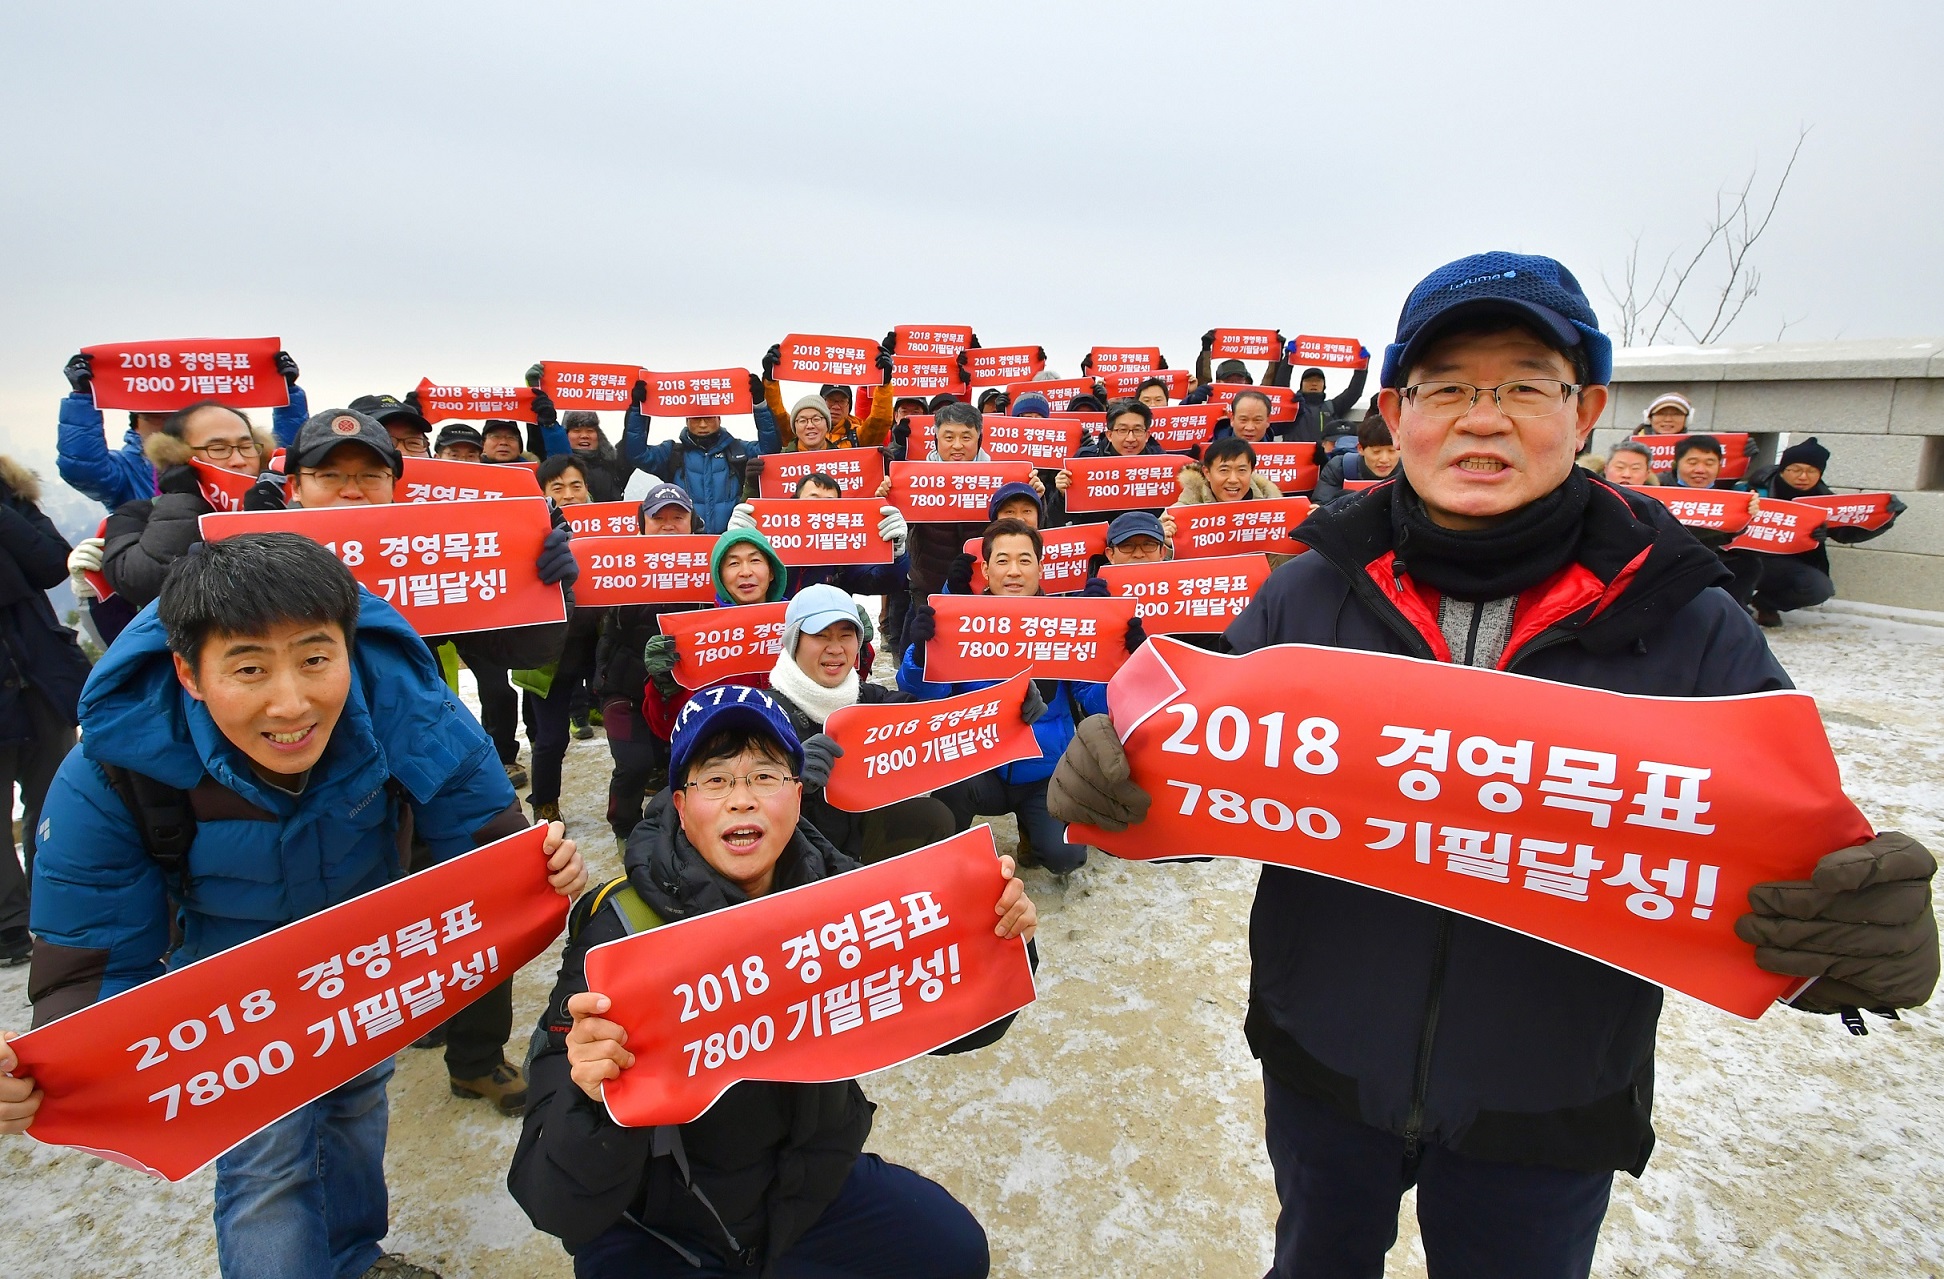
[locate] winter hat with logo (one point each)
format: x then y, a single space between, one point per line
1007 492
325 431
711 710
1534 291
458 433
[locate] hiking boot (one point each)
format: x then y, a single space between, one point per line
1768 617
582 731
594 717
1023 857
433 1038
516 775
393 1266
506 1088
546 812
16 947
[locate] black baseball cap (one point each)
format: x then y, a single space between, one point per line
386 409
326 431
458 433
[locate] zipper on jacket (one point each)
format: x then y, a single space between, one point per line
1427 1035
1471 635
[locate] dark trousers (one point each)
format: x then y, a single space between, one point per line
476 1035
640 764
1747 567
899 828
1788 583
990 794
891 624
29 765
886 1223
546 719
499 711
1340 1183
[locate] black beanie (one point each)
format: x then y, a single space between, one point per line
1808 452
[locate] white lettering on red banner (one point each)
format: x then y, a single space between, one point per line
817 358
437 479
588 386
603 519
897 750
951 492
1189 595
710 393
1735 451
1344 353
1781 528
932 339
1143 482
1124 359
440 402
161 377
1247 344
981 637
1002 365
719 643
858 472
1292 468
806 531
1236 528
668 568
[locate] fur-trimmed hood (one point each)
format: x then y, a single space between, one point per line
1195 490
21 480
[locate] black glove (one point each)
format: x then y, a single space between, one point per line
753 467
638 396
1034 706
958 578
820 753
772 358
411 401
1086 364
79 372
1136 633
920 628
1282 344
267 494
885 365
1208 341
288 367
890 344
543 410
901 436
1164 362
1042 355
974 341
557 563
178 479
965 375
534 374
755 390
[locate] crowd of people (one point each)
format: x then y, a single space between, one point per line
249 684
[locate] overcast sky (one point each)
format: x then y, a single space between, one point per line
403 190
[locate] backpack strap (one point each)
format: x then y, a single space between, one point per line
163 819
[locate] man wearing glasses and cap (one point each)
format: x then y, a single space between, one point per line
411 434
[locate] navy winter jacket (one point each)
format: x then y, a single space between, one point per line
706 468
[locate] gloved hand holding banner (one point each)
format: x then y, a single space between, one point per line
841 530
1626 828
951 492
896 750
1145 481
1065 553
161 377
1855 510
1292 468
602 519
1782 528
1723 510
664 569
169 1075
1181 595
815 984
588 386
716 643
1103 360
1076 637
858 472
1235 528
439 401
438 479
814 357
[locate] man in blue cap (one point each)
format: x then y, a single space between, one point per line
1402 1044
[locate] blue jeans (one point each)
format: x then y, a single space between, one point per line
990 794
886 1223
305 1198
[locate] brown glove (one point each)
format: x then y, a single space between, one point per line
1862 927
1091 785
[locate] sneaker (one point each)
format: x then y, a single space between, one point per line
546 812
16 947
506 1088
433 1038
393 1266
594 717
516 775
1768 617
582 730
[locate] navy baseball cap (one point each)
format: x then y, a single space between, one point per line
1007 492
1534 291
1135 524
663 496
709 711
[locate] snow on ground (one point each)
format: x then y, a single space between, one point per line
1117 1129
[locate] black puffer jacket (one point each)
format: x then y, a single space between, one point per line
1432 1025
844 829
145 538
36 651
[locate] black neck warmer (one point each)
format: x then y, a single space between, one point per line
1491 563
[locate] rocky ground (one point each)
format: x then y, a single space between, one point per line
1117 1129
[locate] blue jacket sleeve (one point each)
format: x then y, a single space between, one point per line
875 579
1092 697
768 438
553 441
471 809
82 458
911 678
643 456
285 422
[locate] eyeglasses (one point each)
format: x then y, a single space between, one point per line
1533 397
339 480
414 445
763 783
222 450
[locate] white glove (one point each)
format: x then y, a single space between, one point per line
744 516
84 558
892 528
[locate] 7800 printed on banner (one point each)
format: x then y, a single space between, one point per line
1623 827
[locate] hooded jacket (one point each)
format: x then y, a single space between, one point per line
36 651
1436 1026
261 858
144 538
660 710
1314 411
710 468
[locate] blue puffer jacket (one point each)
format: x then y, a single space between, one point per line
82 458
1053 729
708 469
99 908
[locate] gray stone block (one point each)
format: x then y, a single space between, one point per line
1895 578
1918 407
1847 405
1876 462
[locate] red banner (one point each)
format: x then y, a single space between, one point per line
161 377
1121 386
1237 528
1724 510
509 403
840 530
1342 353
588 386
1292 468
1781 528
603 519
1002 365
1145 481
667 568
951 492
1626 828
448 567
812 357
1045 442
1058 394
710 393
1282 400
1085 418
1247 344
932 339
1182 427
980 637
219 1050
925 375
435 479
1852 510
222 489
1124 359
1735 450
815 984
717 643
858 472
898 750
1189 595
1064 558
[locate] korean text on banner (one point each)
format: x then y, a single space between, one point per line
814 984
951 492
1076 637
839 530
932 339
439 402
1292 468
1724 510
858 472
1342 353
1121 386
1735 450
1177 596
1058 394
925 375
161 377
1282 400
588 386
1123 359
1001 365
603 519
169 1075
707 393
1625 828
1246 344
1181 427
437 479
1045 442
664 569
1853 510
812 357
897 750
223 489
1236 528
720 643
1065 554
1782 528
1143 482
449 567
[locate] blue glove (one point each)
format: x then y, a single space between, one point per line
557 558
